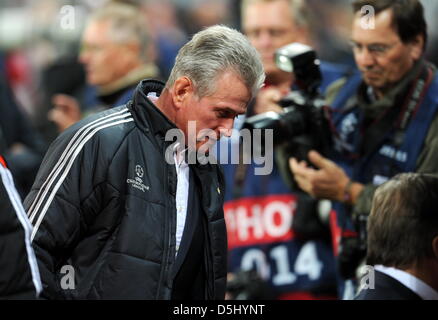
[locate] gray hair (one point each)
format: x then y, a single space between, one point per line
127 25
213 51
300 12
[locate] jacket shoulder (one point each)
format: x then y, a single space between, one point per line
95 138
387 288
106 119
107 128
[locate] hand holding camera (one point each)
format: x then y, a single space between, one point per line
328 181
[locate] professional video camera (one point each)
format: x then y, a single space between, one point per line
302 126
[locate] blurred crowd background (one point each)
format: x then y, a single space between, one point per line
40 43
34 39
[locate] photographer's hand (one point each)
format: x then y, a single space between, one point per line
329 181
267 100
66 111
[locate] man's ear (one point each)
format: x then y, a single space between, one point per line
182 89
417 47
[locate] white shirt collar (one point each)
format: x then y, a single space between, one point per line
179 155
182 192
425 291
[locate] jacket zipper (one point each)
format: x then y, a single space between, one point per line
165 262
209 284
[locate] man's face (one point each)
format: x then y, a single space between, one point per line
106 60
215 112
269 26
380 54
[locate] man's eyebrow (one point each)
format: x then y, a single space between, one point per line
229 110
369 44
226 109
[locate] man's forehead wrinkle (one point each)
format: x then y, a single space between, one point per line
226 99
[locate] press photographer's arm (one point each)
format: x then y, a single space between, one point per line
328 181
384 122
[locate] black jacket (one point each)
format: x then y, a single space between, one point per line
387 288
104 203
19 276
15 128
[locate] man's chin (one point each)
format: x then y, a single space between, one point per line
210 143
373 82
93 81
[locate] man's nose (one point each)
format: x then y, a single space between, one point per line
83 57
364 58
263 40
226 128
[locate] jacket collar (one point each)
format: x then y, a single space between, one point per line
130 79
151 120
395 97
148 117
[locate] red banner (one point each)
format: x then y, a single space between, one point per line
259 220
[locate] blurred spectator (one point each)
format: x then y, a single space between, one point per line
53 81
116 52
20 145
163 22
34 34
19 274
199 14
331 24
403 240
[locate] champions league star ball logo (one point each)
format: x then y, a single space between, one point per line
139 171
137 182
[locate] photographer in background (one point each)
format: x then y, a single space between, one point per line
385 121
260 209
117 54
403 214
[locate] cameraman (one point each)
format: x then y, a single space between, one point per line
259 209
385 118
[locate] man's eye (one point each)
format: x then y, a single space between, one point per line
223 114
355 46
276 33
379 49
226 114
252 33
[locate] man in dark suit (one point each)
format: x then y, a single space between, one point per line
403 240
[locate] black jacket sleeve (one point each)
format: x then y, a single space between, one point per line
64 200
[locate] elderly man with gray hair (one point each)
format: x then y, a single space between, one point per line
117 53
110 206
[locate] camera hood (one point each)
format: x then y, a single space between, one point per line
301 60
